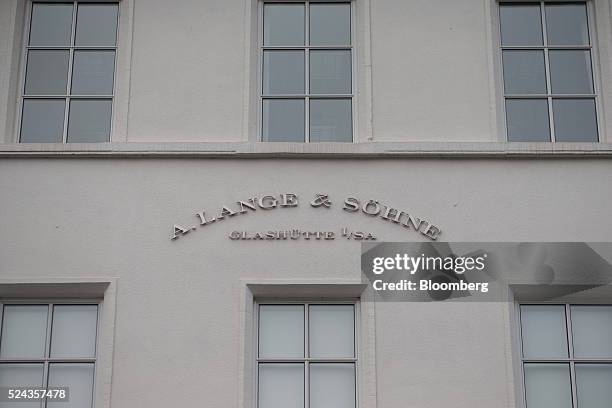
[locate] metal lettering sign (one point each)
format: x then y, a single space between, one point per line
369 208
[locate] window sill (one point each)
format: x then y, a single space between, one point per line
314 150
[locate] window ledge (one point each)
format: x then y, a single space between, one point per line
314 150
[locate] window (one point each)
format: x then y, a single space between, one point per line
307 80
69 74
549 87
49 344
567 355
306 356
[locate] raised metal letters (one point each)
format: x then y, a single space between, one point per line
372 208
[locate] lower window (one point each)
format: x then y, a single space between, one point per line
46 346
306 355
567 355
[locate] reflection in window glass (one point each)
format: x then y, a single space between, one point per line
330 72
538 59
570 72
332 385
521 24
548 386
543 331
575 120
552 371
89 121
47 72
527 120
281 386
24 331
592 331
283 120
524 72
61 37
283 72
330 24
306 83
330 120
51 25
92 72
567 24
49 345
42 120
284 24
306 356
281 331
593 385
96 25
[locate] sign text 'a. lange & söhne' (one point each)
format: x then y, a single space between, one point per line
370 208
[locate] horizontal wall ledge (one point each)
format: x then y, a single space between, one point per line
371 150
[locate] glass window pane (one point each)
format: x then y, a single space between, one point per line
283 73
281 386
51 24
548 385
73 333
570 72
521 24
592 331
524 72
281 331
47 72
21 375
527 120
93 72
283 24
330 72
566 24
544 332
575 120
594 385
331 120
89 121
24 331
330 24
332 331
332 386
97 25
283 120
79 378
42 121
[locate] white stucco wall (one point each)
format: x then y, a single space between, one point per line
178 303
426 71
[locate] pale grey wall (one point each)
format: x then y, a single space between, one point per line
178 319
187 71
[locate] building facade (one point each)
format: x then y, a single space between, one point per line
185 187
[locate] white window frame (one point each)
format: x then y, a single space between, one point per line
306 360
72 47
46 360
571 360
549 96
306 47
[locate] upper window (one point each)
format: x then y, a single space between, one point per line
567 355
69 74
307 80
49 345
306 356
549 90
